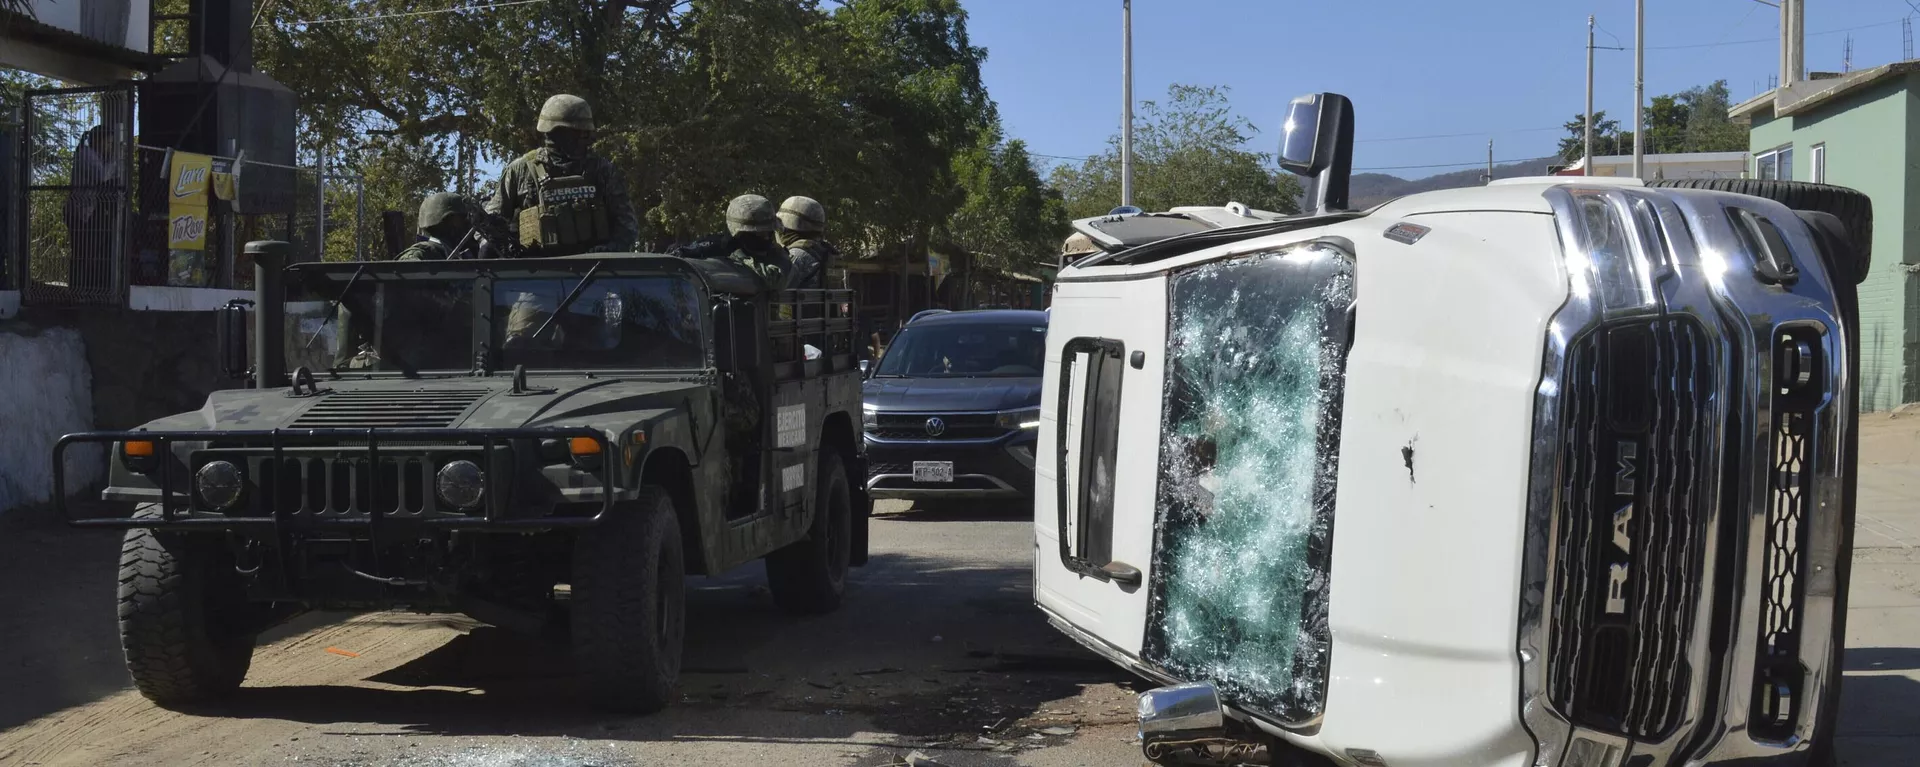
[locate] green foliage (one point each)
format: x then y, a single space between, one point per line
1191 150
1693 120
1011 217
863 107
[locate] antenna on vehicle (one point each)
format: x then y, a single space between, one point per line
1317 141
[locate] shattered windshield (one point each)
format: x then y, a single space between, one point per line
381 325
1257 356
652 322
997 350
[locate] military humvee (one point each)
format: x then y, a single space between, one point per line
547 445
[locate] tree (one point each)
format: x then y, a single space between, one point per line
1693 120
864 107
1191 150
1010 216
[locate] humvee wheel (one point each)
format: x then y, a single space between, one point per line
629 607
810 576
183 617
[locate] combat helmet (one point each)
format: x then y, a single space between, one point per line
437 207
803 214
750 213
565 111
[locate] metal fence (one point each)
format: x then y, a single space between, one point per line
73 209
276 202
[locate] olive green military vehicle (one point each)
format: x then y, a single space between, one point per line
547 445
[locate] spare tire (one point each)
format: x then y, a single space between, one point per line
1853 208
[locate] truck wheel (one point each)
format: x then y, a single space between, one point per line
183 617
1854 209
810 577
629 605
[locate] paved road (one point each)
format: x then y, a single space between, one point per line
938 648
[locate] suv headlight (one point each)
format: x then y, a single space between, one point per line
869 420
1028 418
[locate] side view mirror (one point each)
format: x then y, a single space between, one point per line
866 368
1180 714
230 334
1317 141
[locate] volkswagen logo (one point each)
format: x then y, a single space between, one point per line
936 426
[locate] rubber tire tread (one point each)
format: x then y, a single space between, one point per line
624 571
802 575
169 630
1853 208
1827 727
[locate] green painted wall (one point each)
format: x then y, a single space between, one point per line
1867 135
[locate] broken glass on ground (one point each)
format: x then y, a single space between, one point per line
1257 355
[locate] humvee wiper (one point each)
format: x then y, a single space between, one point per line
333 307
568 301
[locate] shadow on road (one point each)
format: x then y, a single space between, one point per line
957 511
923 648
56 615
1883 659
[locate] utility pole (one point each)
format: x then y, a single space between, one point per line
1846 56
1126 92
1792 42
1587 153
1906 39
1489 178
1640 88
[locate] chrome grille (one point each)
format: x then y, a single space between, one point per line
1631 525
419 409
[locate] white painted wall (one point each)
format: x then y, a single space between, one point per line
46 390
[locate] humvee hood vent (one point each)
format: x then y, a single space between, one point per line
424 409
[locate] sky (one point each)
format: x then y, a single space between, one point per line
1512 71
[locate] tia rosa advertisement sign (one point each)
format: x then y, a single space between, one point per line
187 205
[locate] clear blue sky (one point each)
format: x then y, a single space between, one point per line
1498 69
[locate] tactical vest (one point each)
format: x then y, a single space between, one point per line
568 216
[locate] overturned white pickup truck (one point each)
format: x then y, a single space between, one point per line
1554 471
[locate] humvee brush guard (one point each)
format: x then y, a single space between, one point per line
546 445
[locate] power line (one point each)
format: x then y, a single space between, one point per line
375 17
1474 134
1770 39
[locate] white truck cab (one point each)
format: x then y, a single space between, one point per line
1553 471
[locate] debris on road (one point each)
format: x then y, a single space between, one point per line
343 653
1058 730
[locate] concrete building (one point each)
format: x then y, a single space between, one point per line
1678 165
1859 130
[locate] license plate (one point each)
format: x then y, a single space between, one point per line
933 471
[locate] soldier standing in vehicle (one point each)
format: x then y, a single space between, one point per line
563 199
803 226
454 227
750 225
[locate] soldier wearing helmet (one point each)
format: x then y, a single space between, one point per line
455 227
563 199
803 227
751 227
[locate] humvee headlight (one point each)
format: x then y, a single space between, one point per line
461 484
219 484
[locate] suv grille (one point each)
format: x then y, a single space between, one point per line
954 426
419 409
1631 523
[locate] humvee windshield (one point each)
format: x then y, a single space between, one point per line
425 324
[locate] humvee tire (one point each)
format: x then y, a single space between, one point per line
810 577
183 617
1854 209
629 605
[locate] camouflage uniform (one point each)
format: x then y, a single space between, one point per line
526 181
803 223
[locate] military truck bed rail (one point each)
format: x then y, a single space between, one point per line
822 318
355 450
